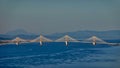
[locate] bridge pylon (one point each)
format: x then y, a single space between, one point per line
18 40
66 39
94 40
41 39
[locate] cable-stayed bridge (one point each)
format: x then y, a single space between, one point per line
93 40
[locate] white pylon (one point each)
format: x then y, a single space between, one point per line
66 42
41 40
17 43
66 39
94 43
41 43
17 40
94 40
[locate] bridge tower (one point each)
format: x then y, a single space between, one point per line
94 40
18 40
41 39
66 39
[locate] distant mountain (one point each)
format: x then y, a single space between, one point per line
106 35
19 32
111 34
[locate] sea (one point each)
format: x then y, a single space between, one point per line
58 55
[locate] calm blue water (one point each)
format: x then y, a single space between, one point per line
57 55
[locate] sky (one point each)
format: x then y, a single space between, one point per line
54 16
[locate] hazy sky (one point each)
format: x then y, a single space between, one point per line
51 16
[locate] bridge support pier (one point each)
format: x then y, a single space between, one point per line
66 42
41 43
